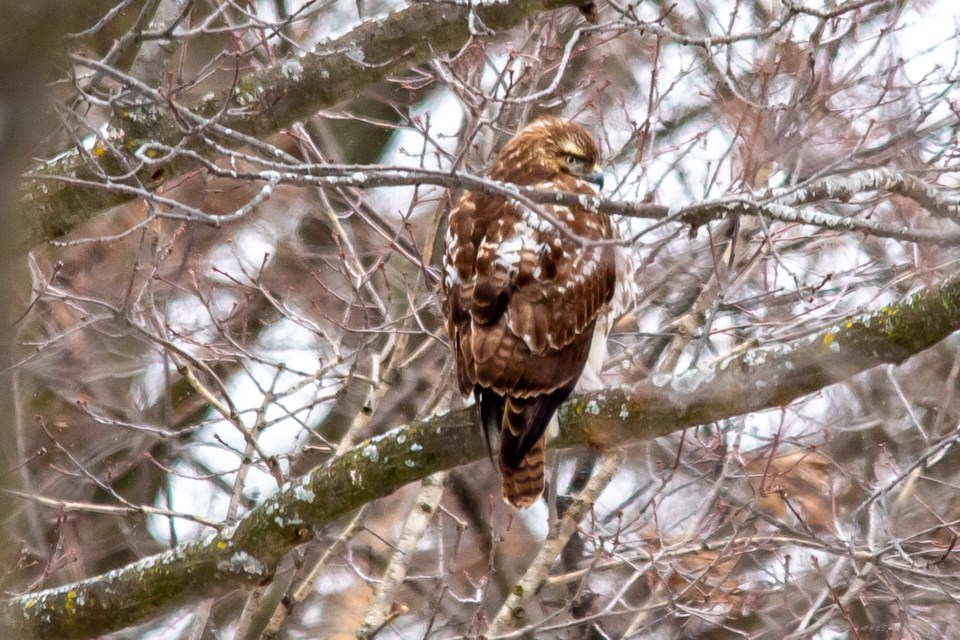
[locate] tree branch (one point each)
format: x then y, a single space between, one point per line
248 551
418 519
56 196
780 204
511 613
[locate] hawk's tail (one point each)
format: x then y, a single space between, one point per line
523 447
523 483
522 422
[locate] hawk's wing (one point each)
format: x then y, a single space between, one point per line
523 301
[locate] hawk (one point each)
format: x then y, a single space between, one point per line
530 299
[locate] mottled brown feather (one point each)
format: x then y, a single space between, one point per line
523 297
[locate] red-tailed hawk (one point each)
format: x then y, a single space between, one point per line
526 299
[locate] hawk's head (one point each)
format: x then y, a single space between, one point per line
547 148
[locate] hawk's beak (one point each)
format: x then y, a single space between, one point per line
596 177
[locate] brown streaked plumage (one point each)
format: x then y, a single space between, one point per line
523 299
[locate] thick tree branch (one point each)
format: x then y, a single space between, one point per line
246 553
260 103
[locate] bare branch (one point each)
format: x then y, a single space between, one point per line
421 513
511 613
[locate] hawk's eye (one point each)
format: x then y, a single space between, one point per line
576 163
